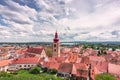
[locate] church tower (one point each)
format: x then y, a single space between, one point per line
56 46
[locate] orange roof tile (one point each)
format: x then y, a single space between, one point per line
65 67
35 50
46 64
100 66
114 69
71 58
80 69
4 62
33 60
4 54
97 58
54 65
60 59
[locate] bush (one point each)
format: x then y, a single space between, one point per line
52 71
4 74
22 72
35 70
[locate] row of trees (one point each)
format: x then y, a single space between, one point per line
101 46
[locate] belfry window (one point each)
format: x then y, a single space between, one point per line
54 45
54 49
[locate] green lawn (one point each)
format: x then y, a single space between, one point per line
25 75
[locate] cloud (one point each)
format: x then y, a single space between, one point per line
37 20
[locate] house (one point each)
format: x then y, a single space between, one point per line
4 65
97 58
71 58
98 68
85 60
87 52
56 59
54 65
79 59
38 52
23 63
80 71
75 50
65 70
50 65
4 56
114 69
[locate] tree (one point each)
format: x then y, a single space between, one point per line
52 71
104 76
113 49
35 70
99 53
22 72
49 52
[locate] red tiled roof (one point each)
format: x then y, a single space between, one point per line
118 79
80 69
60 59
71 58
35 50
4 54
85 60
97 58
100 66
46 64
65 67
4 62
78 60
34 60
114 69
29 55
54 65
51 59
56 59
19 51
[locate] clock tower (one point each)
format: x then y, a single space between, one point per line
56 46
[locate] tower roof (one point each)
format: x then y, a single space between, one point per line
56 39
56 34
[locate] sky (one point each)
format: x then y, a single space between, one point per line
74 20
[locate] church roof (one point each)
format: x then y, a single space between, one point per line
35 50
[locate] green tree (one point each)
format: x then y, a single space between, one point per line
22 72
52 71
49 52
35 70
104 76
113 49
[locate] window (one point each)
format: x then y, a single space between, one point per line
54 49
54 45
24 65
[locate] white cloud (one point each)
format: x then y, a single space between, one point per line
74 20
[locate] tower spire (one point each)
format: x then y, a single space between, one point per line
56 39
56 34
